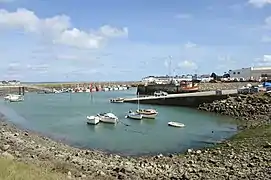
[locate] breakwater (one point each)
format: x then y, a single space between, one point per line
185 99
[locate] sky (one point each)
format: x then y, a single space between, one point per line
103 40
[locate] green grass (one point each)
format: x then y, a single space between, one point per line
14 170
262 131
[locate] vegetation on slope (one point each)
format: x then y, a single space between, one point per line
14 170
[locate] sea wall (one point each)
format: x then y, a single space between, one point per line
191 101
150 89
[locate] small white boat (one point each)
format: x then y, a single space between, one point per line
105 89
117 100
148 113
87 90
175 124
108 118
14 98
115 88
134 115
93 120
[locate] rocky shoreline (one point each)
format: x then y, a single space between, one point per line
239 158
253 110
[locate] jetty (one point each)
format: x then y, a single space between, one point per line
184 99
22 87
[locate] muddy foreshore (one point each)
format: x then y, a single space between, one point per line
238 158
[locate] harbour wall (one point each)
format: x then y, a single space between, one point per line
187 101
150 89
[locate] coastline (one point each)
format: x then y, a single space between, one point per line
245 155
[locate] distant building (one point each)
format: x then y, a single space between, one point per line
166 79
12 82
251 73
205 78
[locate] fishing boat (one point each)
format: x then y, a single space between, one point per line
175 124
117 100
93 120
108 118
134 115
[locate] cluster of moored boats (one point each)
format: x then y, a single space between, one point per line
139 114
112 118
91 89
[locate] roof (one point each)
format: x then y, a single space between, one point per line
261 68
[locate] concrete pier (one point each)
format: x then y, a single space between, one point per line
184 99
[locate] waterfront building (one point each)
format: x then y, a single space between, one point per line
251 73
166 79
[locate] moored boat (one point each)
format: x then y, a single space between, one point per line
108 118
117 100
105 89
14 98
175 124
148 113
134 115
93 120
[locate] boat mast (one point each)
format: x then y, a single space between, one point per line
138 101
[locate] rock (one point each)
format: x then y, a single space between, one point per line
267 145
189 150
5 147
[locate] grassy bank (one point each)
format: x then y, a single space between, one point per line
14 170
253 133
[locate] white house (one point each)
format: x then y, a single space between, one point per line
251 73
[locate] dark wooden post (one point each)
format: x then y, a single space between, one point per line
19 90
23 89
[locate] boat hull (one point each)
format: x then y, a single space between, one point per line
176 124
108 120
135 116
149 116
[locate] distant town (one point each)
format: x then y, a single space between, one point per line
256 74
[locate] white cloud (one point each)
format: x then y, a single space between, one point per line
188 64
37 67
183 16
266 38
190 45
66 57
268 22
259 3
59 29
264 61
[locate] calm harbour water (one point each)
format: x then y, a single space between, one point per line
63 116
